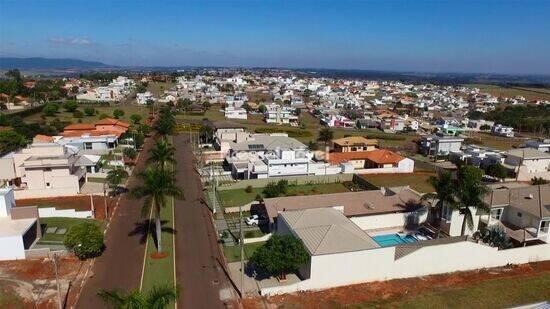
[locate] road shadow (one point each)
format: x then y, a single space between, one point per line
146 228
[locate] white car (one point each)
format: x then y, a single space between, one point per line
255 220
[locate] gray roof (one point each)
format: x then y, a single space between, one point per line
529 153
327 231
534 200
267 143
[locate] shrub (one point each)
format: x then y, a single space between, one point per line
249 189
117 113
85 240
89 111
50 109
103 116
70 106
280 255
78 114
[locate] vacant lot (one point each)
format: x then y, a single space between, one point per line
238 197
497 142
526 92
418 181
492 288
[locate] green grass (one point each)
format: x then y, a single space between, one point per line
60 223
238 197
233 253
66 116
510 92
497 293
417 181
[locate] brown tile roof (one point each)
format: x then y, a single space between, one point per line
379 156
80 126
362 203
90 132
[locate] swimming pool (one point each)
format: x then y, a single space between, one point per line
390 240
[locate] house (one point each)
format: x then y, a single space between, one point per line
280 115
501 130
477 156
338 121
354 143
475 125
528 163
438 145
107 126
373 162
540 145
523 212
394 124
144 98
45 170
235 113
19 227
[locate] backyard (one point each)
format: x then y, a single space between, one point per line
54 229
418 180
239 197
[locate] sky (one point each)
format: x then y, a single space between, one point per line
477 36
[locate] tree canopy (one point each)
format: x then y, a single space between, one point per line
280 254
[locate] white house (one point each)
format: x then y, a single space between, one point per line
540 145
280 115
501 130
19 227
231 112
440 145
528 163
142 98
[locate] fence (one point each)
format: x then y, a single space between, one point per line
296 180
48 212
43 253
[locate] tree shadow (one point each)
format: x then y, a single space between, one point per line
146 228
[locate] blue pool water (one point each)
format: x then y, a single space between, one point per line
393 240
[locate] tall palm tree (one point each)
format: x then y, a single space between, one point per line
156 298
162 154
470 194
158 184
445 190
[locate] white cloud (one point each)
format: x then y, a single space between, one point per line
71 41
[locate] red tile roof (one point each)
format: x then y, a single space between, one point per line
111 121
80 126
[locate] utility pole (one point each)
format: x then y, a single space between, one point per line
57 281
242 248
105 202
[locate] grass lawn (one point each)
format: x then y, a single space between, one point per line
417 181
237 197
66 223
497 142
108 110
233 253
158 88
528 93
497 293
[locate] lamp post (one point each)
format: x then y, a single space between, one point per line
105 202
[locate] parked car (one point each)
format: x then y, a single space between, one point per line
255 220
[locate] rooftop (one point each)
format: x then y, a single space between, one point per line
529 153
10 227
379 156
534 200
327 231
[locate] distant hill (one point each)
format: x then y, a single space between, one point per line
7 63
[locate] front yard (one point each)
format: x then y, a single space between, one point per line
233 253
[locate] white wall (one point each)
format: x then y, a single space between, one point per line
385 220
47 212
379 264
11 248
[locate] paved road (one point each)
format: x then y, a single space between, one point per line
121 264
200 277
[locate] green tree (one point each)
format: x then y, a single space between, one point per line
70 106
158 297
162 154
497 170
14 74
206 133
115 177
130 153
78 114
326 135
470 194
11 140
166 123
50 109
89 111
158 184
85 240
135 118
485 127
262 108
117 113
445 191
280 254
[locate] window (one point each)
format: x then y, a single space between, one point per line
544 227
446 212
48 185
519 214
496 213
48 169
87 146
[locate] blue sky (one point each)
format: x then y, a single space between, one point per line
495 36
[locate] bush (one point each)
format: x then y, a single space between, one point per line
78 114
85 240
276 189
280 255
103 116
70 106
50 109
249 189
89 111
117 113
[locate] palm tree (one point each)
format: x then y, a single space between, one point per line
161 154
157 298
470 195
445 190
115 176
158 184
326 135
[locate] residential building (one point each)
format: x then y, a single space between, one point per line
144 98
528 163
19 227
280 115
354 143
440 145
235 113
379 161
107 126
501 130
477 156
540 145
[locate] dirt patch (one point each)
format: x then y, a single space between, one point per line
158 256
31 283
79 203
394 289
